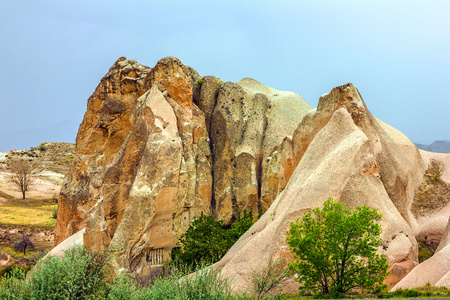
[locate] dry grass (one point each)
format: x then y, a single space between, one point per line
32 216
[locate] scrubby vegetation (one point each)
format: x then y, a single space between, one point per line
80 274
207 240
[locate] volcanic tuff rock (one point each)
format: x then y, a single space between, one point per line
149 160
339 150
101 134
435 270
159 146
249 120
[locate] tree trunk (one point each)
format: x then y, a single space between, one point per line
23 194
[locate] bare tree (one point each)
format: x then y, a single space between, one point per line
24 243
22 176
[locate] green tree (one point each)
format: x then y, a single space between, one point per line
204 241
335 249
207 240
243 222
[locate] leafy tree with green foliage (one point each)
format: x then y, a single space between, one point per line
207 240
243 222
335 250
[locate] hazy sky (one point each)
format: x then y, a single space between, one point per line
397 53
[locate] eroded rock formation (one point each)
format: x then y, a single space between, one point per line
341 151
249 120
434 271
159 146
149 160
104 129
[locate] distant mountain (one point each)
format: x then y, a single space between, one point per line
64 131
436 146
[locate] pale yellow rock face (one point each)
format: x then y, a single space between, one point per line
75 240
249 120
339 150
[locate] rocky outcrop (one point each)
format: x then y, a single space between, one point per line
234 126
341 151
248 121
158 146
431 205
435 270
104 129
160 178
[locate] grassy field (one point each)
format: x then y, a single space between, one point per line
41 215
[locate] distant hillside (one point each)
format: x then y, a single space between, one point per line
65 131
436 146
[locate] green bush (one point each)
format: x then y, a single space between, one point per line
206 283
206 240
13 285
426 291
123 288
78 274
12 271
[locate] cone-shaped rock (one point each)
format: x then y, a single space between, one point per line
341 151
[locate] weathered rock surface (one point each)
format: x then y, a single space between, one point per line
101 134
249 120
435 270
341 151
160 178
431 205
145 165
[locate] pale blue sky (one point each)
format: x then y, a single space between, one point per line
397 53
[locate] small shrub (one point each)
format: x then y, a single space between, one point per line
425 251
437 169
199 83
266 279
42 148
24 244
55 213
206 283
123 288
14 271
